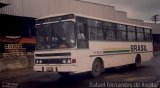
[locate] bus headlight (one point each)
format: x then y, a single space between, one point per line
37 61
68 61
40 61
64 61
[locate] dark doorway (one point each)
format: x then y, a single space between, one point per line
156 42
17 26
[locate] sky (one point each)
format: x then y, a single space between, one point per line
136 9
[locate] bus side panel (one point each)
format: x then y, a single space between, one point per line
83 60
120 53
118 60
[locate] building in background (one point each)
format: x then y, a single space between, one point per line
20 15
156 36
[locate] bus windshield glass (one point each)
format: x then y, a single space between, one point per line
55 35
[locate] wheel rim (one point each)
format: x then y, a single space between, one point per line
97 68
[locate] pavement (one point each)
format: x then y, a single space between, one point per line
147 76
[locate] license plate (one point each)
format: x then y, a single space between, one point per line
49 69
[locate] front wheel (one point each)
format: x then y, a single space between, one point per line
97 68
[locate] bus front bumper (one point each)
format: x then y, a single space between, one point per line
52 68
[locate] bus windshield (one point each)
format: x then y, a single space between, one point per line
55 35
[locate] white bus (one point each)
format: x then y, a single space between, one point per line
73 43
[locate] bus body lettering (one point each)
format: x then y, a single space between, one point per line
138 48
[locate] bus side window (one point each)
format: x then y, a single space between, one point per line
131 33
82 41
140 34
147 34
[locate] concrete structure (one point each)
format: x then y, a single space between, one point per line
40 8
156 36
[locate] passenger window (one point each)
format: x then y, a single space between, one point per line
131 33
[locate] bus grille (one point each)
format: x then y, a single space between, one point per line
53 54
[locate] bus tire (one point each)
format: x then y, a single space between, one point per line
97 68
137 62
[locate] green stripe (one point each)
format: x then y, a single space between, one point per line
116 51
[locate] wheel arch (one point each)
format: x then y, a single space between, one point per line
100 59
97 67
138 61
138 56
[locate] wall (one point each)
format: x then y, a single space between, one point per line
4 1
155 28
40 8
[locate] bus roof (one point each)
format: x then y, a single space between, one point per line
91 17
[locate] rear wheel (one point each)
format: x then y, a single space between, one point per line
137 63
97 68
